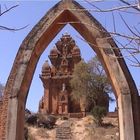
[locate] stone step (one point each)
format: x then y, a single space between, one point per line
59 130
63 139
63 132
66 137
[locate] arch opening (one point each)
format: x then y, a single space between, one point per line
77 43
87 55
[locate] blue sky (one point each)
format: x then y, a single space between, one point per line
29 13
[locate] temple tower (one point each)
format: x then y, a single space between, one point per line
56 77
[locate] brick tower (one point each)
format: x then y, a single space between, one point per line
56 78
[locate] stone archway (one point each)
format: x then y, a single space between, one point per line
36 42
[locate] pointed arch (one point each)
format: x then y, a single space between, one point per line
100 41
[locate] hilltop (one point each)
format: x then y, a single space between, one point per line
76 129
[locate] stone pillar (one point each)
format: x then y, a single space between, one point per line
60 109
66 109
126 123
12 115
47 101
54 100
16 113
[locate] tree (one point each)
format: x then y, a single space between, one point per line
98 112
90 82
5 11
99 85
80 82
128 41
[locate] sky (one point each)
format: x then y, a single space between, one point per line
29 13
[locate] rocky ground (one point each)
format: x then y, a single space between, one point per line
77 129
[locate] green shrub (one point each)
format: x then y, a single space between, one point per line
98 113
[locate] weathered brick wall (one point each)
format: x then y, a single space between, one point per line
3 117
112 114
7 95
0 116
75 115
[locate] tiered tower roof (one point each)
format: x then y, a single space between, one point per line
63 56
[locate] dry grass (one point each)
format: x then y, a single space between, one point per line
40 133
82 129
43 133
